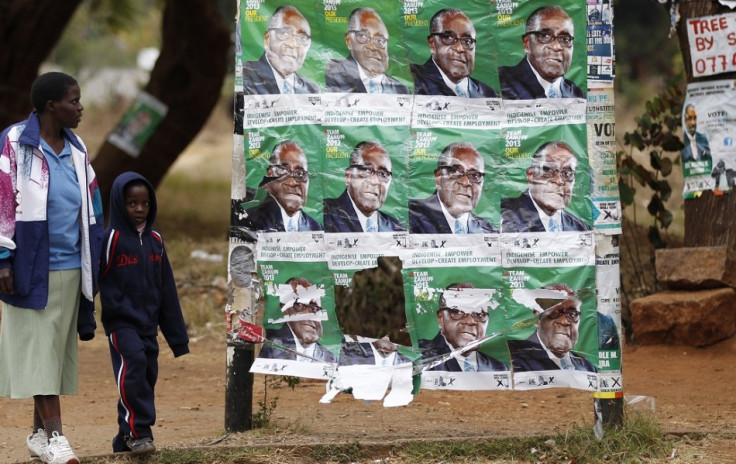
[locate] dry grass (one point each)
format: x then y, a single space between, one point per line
640 440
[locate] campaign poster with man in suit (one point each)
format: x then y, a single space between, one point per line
457 322
709 151
302 335
451 190
364 177
546 181
367 55
544 49
283 193
451 53
277 58
551 308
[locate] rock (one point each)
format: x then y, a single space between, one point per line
696 267
695 318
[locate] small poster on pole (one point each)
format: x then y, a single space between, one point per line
138 124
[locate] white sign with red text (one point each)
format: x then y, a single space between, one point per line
712 44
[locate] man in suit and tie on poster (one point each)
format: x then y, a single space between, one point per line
550 346
548 43
367 177
364 70
551 178
459 182
300 303
286 43
696 144
462 317
286 182
452 46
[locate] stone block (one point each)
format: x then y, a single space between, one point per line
696 267
695 318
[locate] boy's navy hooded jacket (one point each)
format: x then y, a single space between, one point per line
137 285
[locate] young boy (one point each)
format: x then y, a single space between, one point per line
138 295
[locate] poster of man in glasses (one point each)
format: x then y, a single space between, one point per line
365 70
286 40
457 322
542 206
368 176
541 59
547 182
302 335
551 308
457 50
286 183
459 202
462 317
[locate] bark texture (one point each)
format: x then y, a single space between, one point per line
29 31
187 78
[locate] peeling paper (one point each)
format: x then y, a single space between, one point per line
401 387
371 383
318 316
471 299
529 298
288 296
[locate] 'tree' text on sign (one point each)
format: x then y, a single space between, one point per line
712 40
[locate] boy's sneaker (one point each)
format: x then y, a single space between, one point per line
141 445
37 443
58 451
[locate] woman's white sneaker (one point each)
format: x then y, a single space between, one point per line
58 451
37 443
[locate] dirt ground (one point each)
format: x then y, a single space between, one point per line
690 386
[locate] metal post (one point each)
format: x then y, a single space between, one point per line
240 349
608 400
611 407
239 387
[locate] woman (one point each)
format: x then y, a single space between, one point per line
50 236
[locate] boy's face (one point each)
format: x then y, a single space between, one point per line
137 204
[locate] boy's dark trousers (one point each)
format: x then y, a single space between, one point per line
135 366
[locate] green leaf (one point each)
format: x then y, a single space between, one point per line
645 122
671 122
671 142
649 107
655 239
666 218
655 205
626 193
654 160
655 131
665 189
665 166
636 140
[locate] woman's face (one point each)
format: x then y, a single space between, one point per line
68 110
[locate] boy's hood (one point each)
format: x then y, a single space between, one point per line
118 215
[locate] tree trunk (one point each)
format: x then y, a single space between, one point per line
710 220
29 30
188 78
